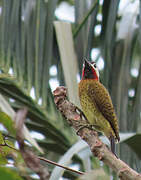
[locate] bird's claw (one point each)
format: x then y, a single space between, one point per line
81 113
81 126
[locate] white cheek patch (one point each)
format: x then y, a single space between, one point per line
97 72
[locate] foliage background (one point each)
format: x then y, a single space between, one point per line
32 42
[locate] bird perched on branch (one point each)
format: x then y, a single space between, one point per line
97 104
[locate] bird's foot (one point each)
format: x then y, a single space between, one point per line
81 126
82 115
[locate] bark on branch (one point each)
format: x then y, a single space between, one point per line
98 148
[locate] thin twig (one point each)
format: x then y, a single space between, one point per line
64 167
46 160
5 144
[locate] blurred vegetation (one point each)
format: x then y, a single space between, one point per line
31 44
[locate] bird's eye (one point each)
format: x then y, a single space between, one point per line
95 65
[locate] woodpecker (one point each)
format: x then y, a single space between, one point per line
97 105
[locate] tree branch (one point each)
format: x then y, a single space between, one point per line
98 148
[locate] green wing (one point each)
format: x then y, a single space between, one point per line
101 97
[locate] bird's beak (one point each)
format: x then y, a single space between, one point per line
86 63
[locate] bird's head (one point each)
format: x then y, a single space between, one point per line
90 70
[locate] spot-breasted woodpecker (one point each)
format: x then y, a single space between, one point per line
97 104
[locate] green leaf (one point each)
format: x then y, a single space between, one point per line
36 113
8 174
107 44
134 143
7 122
78 28
5 150
7 109
95 162
48 45
68 58
3 160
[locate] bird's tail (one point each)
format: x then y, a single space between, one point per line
112 140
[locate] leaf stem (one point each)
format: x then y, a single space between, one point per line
78 28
